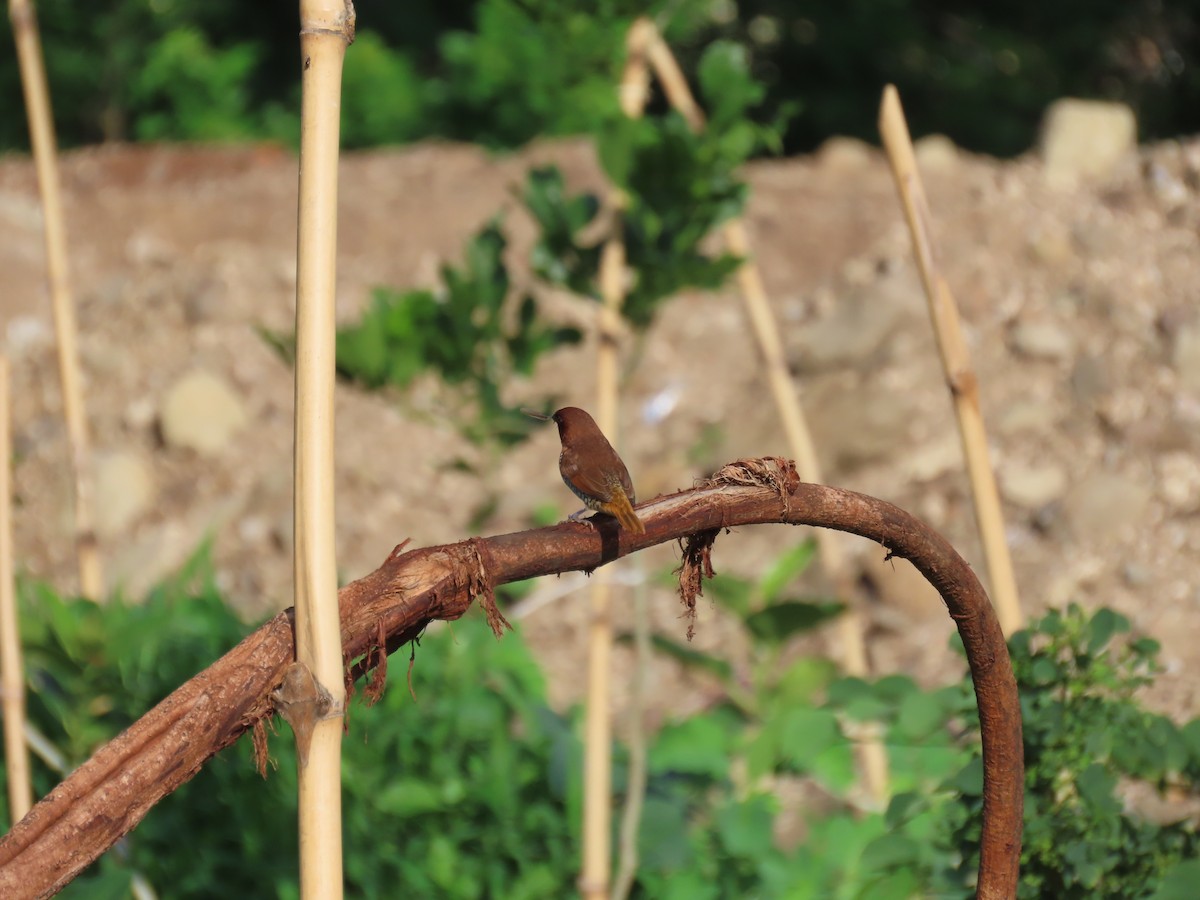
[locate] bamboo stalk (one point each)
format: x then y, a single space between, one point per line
12 671
314 690
635 782
956 360
872 755
45 153
595 873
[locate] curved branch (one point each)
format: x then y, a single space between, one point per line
111 792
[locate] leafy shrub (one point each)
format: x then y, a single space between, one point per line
383 97
678 185
1086 737
472 790
189 90
470 337
462 794
1085 734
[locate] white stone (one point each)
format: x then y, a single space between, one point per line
844 153
201 412
1085 138
935 153
1032 487
124 490
1179 481
1041 340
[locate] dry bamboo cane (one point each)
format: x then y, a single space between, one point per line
12 672
312 697
45 153
872 755
597 760
956 360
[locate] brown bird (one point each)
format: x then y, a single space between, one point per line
591 468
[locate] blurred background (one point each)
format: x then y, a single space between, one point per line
482 140
500 72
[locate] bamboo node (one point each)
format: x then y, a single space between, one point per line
303 702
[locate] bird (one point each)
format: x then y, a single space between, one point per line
591 468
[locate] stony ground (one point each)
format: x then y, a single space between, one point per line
1079 305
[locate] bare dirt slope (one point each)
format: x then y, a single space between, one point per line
1080 307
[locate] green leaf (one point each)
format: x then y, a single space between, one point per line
690 658
1103 625
777 624
745 828
785 568
730 592
806 734
919 715
890 851
1179 881
726 84
697 746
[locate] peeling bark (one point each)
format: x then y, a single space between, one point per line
110 793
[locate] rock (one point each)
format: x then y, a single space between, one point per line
1027 416
1085 138
200 412
1040 340
27 335
124 490
858 327
849 337
934 459
902 587
1179 482
1032 487
845 153
1052 246
1185 356
1104 503
1136 575
854 426
1089 379
935 153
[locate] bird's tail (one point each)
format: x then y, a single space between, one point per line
620 507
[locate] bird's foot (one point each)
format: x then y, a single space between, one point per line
579 516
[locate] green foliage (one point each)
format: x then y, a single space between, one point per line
679 186
475 787
471 337
538 67
383 96
1084 734
189 90
501 72
471 788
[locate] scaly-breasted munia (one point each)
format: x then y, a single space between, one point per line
592 469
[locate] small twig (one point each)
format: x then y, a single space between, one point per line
956 360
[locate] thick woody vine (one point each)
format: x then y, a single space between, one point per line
110 793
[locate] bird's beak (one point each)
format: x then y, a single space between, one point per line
534 414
